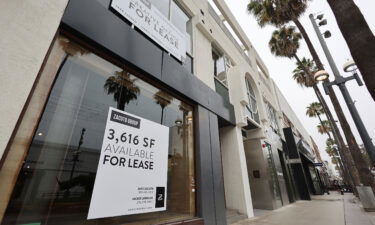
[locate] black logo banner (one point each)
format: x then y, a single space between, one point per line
125 119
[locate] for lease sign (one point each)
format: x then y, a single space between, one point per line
132 171
154 24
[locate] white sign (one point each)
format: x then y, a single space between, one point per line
293 161
133 166
154 24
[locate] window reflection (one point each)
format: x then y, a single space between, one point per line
56 181
163 99
122 87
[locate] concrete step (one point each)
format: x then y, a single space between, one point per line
234 216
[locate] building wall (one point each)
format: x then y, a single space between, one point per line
288 111
28 28
256 71
237 188
204 71
236 176
260 187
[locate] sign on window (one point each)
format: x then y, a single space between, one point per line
132 170
154 24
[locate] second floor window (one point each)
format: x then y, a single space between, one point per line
220 67
171 10
252 107
271 112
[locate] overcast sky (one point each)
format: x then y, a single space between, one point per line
281 69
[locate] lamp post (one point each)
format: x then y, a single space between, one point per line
340 82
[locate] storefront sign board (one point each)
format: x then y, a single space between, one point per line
154 24
133 166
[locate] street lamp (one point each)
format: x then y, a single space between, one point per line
321 75
323 22
349 66
327 34
320 17
340 82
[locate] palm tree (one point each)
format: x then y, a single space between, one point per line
330 142
330 150
351 156
280 12
306 80
333 153
274 14
359 38
315 109
300 76
163 99
285 42
324 127
122 87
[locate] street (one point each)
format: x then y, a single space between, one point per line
331 209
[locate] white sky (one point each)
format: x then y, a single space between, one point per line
281 68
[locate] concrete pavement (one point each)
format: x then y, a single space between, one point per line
331 209
354 213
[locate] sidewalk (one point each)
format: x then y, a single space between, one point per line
354 213
331 209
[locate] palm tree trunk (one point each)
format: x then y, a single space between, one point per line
343 172
305 36
358 37
320 66
350 170
351 173
341 169
364 173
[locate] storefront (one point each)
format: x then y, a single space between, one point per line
99 63
299 179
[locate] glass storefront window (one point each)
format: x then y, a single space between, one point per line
56 180
274 183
